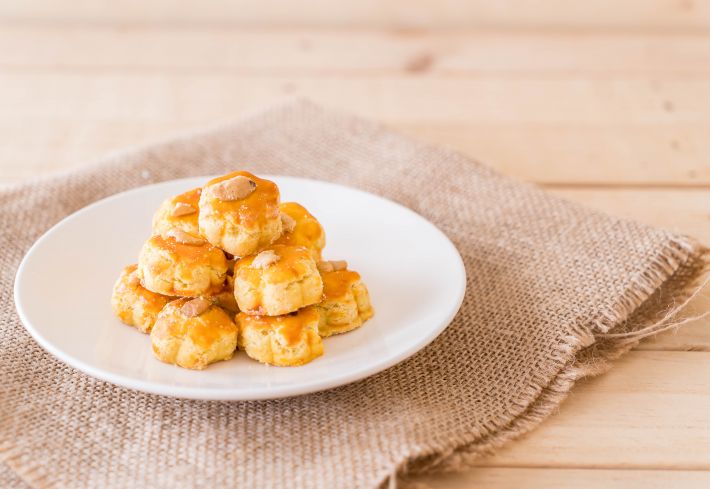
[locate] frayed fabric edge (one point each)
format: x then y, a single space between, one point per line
680 254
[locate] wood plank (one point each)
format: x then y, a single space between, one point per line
560 153
622 131
552 154
201 98
559 478
657 14
61 144
289 51
564 151
650 411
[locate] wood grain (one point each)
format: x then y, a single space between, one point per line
561 154
200 98
605 131
598 154
556 478
289 51
624 14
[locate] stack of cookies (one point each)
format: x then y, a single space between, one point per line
229 266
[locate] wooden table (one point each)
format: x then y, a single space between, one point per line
604 102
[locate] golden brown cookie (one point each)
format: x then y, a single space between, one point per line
300 228
346 301
133 304
181 265
193 333
239 213
284 341
278 280
179 212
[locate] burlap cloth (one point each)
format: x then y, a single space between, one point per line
546 280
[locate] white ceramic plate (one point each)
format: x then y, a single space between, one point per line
414 273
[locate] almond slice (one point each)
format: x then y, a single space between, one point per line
288 223
236 188
265 259
185 238
325 266
332 266
195 307
182 209
339 265
134 279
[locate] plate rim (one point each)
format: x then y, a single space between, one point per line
222 394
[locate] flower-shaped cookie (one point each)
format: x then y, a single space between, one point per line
239 213
300 228
284 341
278 280
346 301
134 304
193 333
181 264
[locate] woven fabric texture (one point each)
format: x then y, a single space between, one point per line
546 280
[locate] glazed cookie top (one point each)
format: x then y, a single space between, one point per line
290 327
300 227
337 279
250 199
336 284
184 245
180 212
277 263
185 206
199 320
191 198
